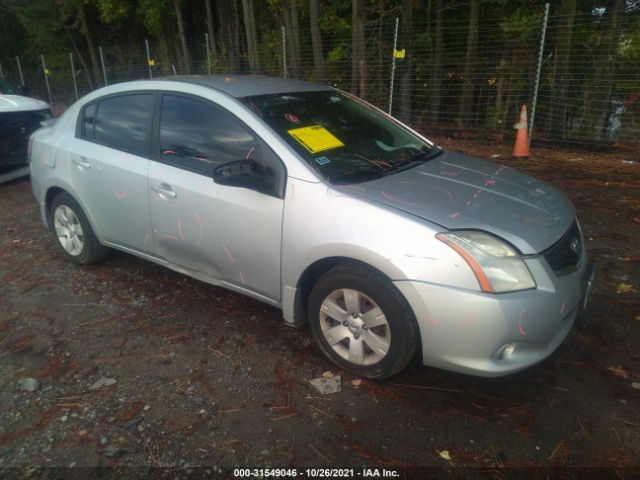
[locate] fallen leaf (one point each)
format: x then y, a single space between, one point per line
82 433
618 371
626 288
356 382
444 454
635 385
637 317
327 374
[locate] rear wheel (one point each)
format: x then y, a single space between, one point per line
362 322
74 233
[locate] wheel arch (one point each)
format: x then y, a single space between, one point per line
310 276
55 190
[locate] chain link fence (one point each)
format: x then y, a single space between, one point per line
586 87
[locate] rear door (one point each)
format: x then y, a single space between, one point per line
109 165
227 233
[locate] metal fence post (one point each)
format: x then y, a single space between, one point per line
73 74
46 80
284 52
146 46
104 71
393 65
206 39
20 71
1 71
537 84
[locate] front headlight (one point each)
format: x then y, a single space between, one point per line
496 265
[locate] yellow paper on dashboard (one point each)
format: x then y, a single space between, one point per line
315 138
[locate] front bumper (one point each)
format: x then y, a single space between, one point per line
491 335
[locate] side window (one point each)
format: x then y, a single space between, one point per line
199 136
122 122
89 116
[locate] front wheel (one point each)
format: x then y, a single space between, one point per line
362 322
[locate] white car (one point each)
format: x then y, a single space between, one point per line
20 116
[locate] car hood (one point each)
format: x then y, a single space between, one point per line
456 191
16 103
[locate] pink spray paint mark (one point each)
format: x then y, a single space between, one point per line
180 229
478 192
171 237
499 171
241 278
433 321
562 307
196 215
455 215
386 195
118 194
250 152
520 326
168 152
489 182
146 240
228 254
468 203
202 159
470 319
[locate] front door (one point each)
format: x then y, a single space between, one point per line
227 233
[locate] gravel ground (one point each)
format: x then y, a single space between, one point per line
137 366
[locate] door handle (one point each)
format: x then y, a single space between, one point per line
164 189
81 162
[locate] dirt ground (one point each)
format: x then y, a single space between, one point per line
205 378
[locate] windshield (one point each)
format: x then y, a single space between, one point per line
343 139
6 88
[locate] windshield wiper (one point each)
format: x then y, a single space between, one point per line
416 159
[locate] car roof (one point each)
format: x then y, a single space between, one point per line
249 85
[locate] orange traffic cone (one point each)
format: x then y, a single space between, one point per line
521 148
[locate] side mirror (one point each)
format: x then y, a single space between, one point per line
240 173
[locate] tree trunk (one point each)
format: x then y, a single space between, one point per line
597 98
186 58
210 31
406 66
466 98
316 40
235 33
90 45
226 36
290 13
359 53
560 73
251 32
436 75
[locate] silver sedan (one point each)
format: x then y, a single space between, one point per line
317 203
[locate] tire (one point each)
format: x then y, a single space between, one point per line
369 344
73 231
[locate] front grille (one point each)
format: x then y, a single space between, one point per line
564 255
15 129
